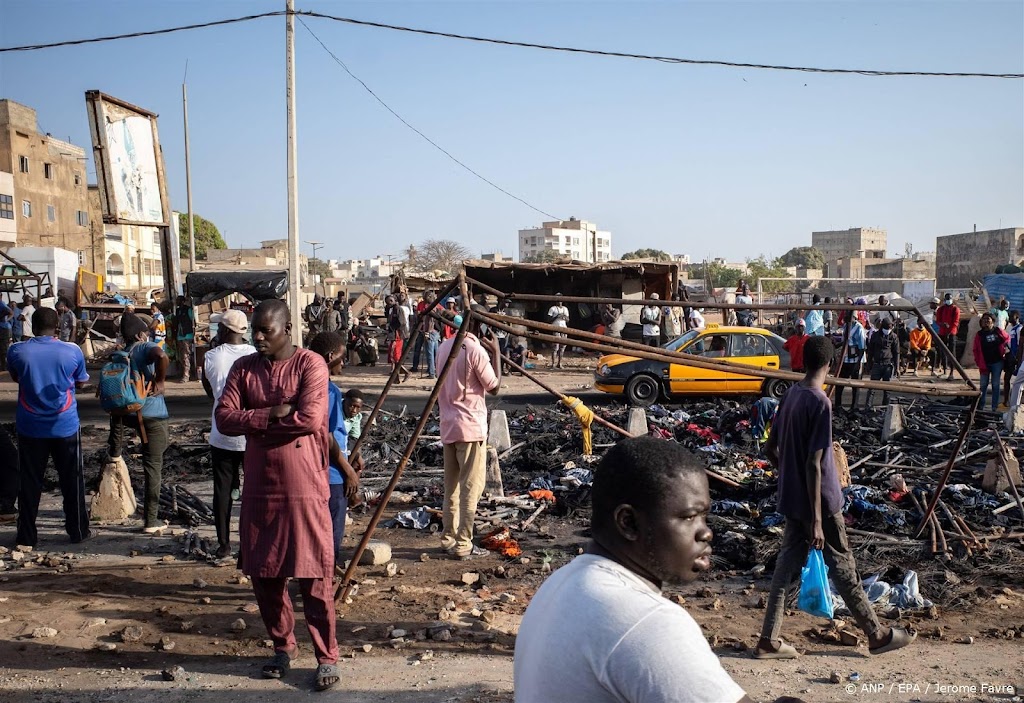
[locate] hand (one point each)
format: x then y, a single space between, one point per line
351 485
358 465
157 388
492 342
817 535
279 412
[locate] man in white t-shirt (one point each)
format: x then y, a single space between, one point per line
227 453
559 316
628 642
27 311
650 317
697 319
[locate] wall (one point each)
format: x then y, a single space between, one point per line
970 256
838 244
8 221
900 268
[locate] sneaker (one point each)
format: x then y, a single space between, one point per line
474 552
236 494
8 518
154 529
87 536
223 551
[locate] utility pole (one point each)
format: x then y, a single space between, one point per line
188 187
294 281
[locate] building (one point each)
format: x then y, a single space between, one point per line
578 240
853 243
497 257
271 254
128 256
963 258
8 226
50 201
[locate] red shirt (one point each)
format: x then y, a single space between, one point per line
795 346
948 319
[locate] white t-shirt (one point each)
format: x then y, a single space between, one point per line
216 364
26 327
598 633
650 312
696 320
559 314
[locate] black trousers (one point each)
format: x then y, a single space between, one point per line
33 455
152 456
226 465
9 479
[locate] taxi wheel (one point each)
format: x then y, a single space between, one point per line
775 388
643 390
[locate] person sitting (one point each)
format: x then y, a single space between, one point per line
717 349
920 345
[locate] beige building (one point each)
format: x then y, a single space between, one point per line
50 201
853 243
273 253
8 228
127 255
576 239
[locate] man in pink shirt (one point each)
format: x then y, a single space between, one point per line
464 433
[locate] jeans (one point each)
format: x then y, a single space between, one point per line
33 455
880 372
417 351
225 464
338 505
430 349
152 455
992 374
184 351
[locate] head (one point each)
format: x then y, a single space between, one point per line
1014 316
828 300
61 307
816 299
885 325
947 299
650 502
26 299
44 322
922 324
180 300
655 296
817 354
430 296
801 326
328 345
934 303
129 309
353 402
154 308
1004 304
271 328
231 326
987 321
133 329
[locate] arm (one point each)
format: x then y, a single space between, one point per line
771 447
813 469
160 363
979 357
232 418
309 411
351 477
206 385
493 388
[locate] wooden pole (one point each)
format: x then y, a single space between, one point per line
949 465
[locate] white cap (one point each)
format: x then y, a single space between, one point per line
655 296
234 320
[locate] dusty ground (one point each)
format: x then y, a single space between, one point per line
89 594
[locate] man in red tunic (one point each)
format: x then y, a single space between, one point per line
277 398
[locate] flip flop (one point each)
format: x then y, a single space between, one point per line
785 651
899 637
327 675
278 667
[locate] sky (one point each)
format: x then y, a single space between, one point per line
698 160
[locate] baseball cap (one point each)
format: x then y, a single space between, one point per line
234 320
655 296
935 300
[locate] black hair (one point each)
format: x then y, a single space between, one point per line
131 326
326 342
816 298
44 319
638 472
818 353
272 307
353 394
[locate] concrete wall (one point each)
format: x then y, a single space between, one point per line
900 268
969 256
853 242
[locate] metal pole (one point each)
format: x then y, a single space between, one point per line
294 280
188 189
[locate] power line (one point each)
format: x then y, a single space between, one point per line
526 45
414 129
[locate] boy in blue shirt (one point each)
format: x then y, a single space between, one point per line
343 479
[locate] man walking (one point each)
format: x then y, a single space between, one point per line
48 373
559 316
226 453
650 317
463 410
184 336
67 324
883 357
948 318
800 445
277 398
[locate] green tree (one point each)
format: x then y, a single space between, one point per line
716 274
763 267
206 233
319 267
654 254
804 257
544 256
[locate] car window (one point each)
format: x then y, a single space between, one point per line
679 342
711 346
749 345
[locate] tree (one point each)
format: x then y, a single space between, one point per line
206 234
441 254
716 274
544 256
319 267
763 267
803 257
655 254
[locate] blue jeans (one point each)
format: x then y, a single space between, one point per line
994 372
338 505
430 349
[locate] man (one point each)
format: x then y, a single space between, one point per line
501 308
828 316
629 643
990 345
920 345
332 318
929 315
853 362
463 409
800 445
27 311
48 372
1001 314
650 317
744 316
62 297
1012 360
879 315
883 358
948 317
353 409
314 316
277 399
158 327
558 314
814 320
795 346
696 319
429 336
6 317
611 318
226 453
671 321
184 335
67 324
17 321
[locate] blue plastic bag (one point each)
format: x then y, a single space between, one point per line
815 597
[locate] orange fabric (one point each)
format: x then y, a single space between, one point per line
920 340
500 540
543 495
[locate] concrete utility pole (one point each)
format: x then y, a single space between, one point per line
294 280
188 187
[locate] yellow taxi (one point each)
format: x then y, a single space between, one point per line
644 382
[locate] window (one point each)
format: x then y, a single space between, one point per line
78 179
156 239
26 208
48 171
114 234
23 164
6 207
115 266
51 213
82 217
749 345
81 257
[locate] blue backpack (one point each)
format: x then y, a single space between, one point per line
122 388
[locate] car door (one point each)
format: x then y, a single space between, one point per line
684 378
750 350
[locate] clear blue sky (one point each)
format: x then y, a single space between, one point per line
700 160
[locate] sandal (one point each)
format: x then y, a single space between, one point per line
785 651
278 667
327 675
898 637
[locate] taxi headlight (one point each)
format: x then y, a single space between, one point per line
604 370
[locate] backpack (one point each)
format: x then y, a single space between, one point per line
122 389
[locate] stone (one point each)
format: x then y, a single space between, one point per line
965 640
377 552
391 569
397 633
836 677
493 484
165 644
488 616
507 598
894 421
470 577
994 478
17 555
842 465
426 656
850 639
205 600
240 579
185 625
497 431
200 584
132 633
105 647
251 608
238 625
1014 419
367 647
637 425
174 673
43 633
114 500
424 557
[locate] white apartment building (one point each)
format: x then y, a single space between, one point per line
576 239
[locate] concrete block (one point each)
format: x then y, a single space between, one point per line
1014 419
497 431
637 422
377 552
894 421
994 478
493 484
115 499
842 464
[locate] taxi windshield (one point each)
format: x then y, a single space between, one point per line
679 342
